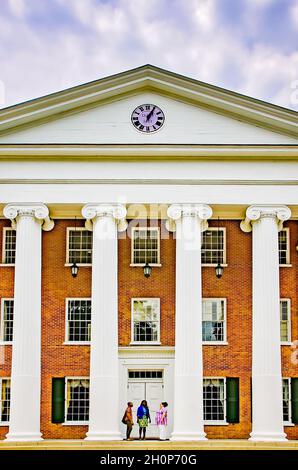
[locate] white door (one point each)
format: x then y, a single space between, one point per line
153 393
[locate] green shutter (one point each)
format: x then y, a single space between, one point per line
294 399
58 398
232 400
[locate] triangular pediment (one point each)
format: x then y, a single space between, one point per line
100 113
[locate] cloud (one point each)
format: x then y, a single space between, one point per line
61 43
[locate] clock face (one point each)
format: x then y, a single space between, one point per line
147 118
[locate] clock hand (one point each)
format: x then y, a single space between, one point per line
150 114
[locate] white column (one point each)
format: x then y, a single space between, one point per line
267 413
188 382
104 381
26 350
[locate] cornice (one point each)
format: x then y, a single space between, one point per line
139 152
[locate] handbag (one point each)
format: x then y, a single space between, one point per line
124 419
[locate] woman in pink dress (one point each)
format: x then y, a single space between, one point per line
162 420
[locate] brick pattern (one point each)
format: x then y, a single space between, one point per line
232 360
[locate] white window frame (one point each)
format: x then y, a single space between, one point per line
288 263
224 230
68 230
67 341
289 341
2 321
73 423
223 422
219 343
133 230
3 423
289 423
144 343
4 232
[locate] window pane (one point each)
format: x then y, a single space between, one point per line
8 320
77 400
213 320
284 320
145 320
5 400
80 246
145 246
10 246
213 246
286 399
79 319
283 247
213 399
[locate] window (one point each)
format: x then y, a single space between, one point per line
145 320
9 246
145 374
77 399
145 245
283 246
79 246
4 400
285 320
214 246
214 399
286 400
78 320
6 325
213 325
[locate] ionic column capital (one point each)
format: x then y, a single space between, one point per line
116 211
257 212
37 211
202 212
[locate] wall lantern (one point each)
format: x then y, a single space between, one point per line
218 268
74 267
147 270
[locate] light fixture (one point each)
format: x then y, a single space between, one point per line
147 270
74 267
218 267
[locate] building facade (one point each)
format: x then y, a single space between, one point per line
148 168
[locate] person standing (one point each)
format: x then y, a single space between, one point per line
143 416
162 420
128 419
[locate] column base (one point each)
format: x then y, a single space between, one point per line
23 437
188 436
103 436
268 437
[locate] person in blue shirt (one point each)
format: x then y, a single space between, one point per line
143 418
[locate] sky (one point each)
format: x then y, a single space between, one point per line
248 46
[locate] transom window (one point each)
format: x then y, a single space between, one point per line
214 399
283 246
213 324
145 320
77 399
9 246
78 320
145 245
145 374
285 320
79 246
214 246
286 400
6 325
4 400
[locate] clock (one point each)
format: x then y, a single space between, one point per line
147 118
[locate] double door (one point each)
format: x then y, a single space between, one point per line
150 391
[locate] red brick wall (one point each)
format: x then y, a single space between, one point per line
233 360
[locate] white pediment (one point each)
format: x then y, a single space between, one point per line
110 123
